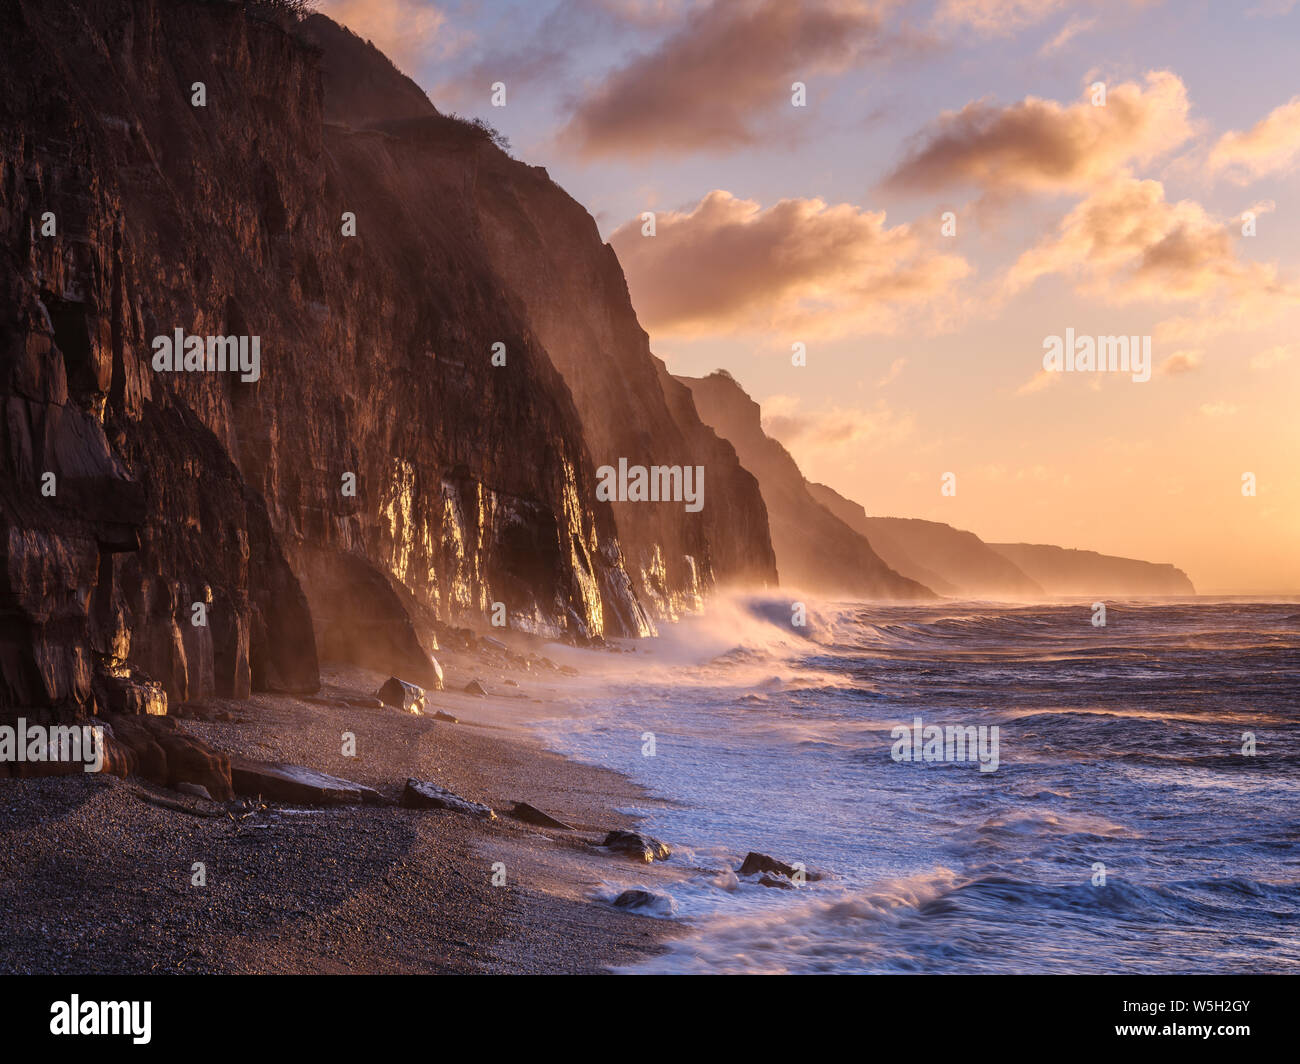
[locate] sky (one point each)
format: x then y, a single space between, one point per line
961 181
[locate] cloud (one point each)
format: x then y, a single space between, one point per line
1041 145
1271 8
1040 380
1273 357
1182 362
728 264
648 13
407 31
994 17
1067 33
1126 242
833 427
891 375
1218 409
1271 146
709 85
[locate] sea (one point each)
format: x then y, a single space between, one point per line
1143 815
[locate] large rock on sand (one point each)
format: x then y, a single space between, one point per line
297 784
404 696
420 794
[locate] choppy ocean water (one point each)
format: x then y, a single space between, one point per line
1119 746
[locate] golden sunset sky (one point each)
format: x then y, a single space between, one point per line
823 225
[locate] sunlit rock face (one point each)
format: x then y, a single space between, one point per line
473 483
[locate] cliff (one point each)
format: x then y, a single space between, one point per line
473 483
1063 571
572 291
815 549
948 560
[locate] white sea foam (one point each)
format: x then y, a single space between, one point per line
1114 752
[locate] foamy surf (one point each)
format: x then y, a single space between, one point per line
1098 844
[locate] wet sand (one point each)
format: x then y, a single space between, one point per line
95 877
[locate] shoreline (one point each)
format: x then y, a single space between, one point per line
96 873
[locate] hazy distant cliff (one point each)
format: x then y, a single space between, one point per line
815 549
1062 571
946 559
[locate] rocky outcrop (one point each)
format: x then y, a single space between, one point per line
379 476
946 559
1064 571
815 550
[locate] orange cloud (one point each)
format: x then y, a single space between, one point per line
1271 146
709 84
1041 145
1126 242
1182 362
729 264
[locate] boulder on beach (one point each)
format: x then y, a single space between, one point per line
421 794
638 899
475 688
762 864
530 814
634 844
440 715
407 697
495 644
297 784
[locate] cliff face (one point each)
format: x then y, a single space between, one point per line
569 288
472 482
1063 571
946 559
815 549
572 289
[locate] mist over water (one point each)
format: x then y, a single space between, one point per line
1119 744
